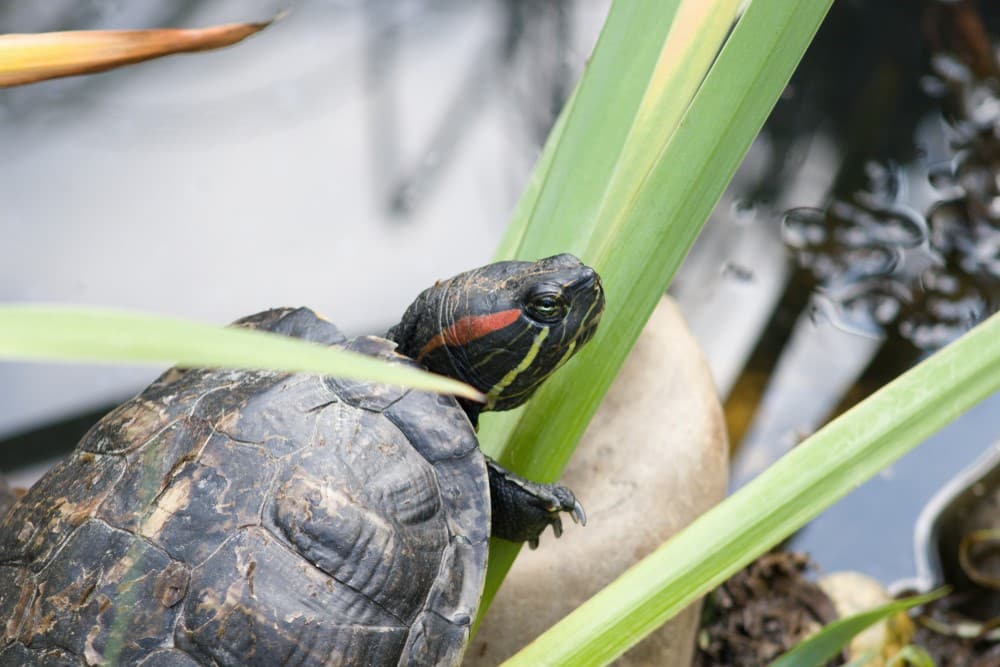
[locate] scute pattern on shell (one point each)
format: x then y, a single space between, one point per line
254 518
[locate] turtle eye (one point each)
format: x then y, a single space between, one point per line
546 307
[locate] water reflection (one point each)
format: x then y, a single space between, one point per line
880 263
880 174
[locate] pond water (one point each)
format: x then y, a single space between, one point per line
861 234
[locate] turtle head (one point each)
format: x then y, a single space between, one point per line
505 327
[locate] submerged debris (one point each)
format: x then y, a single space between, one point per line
918 249
761 612
954 640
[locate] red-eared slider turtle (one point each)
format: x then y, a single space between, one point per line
259 518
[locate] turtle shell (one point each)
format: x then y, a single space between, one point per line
7 496
254 518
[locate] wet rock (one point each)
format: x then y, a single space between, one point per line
653 459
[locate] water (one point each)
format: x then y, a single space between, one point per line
880 178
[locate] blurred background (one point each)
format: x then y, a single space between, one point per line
356 151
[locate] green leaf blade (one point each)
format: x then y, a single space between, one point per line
38 332
590 136
643 239
825 644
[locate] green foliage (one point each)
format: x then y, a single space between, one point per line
656 187
824 645
85 334
635 229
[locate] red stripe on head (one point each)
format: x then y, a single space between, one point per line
469 328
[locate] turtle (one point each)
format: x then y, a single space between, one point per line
7 496
247 517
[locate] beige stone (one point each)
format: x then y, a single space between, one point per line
853 593
653 459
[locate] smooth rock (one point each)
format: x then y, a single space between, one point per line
654 457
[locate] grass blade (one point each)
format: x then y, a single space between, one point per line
644 233
82 334
582 149
819 648
651 81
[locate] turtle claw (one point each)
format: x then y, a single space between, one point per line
523 509
577 513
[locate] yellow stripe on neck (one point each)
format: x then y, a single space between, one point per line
565 357
493 394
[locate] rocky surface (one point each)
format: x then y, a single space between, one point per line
653 459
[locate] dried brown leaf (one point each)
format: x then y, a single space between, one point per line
28 58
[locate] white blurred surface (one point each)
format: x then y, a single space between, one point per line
218 184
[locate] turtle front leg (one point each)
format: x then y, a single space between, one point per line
522 508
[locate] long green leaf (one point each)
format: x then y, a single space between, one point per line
81 334
819 648
619 214
644 233
607 148
582 150
825 467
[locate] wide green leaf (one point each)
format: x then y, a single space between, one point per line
114 336
650 59
637 230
